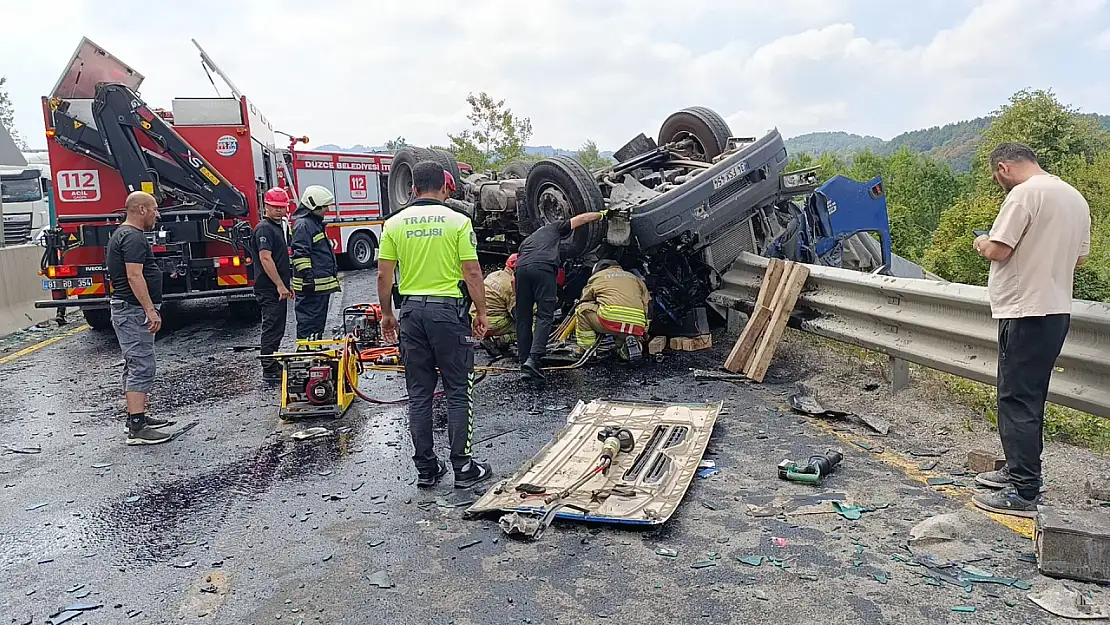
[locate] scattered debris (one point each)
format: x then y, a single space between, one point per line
467 545
880 425
1098 487
751 560
805 402
707 472
702 565
32 449
184 564
310 433
779 542
983 461
707 464
853 512
928 465
102 465
862 445
940 481
1063 600
132 499
882 578
36 506
702 374
964 608
818 467
665 552
938 528
375 543
1073 544
928 453
381 579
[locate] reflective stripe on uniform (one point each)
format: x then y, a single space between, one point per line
319 237
300 264
326 283
622 315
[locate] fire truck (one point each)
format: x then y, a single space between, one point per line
360 183
206 160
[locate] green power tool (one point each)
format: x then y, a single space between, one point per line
818 467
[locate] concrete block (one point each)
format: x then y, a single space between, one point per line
1073 544
982 461
20 286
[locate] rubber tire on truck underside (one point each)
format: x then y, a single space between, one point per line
399 187
582 194
710 129
516 169
99 319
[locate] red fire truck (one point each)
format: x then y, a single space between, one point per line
359 182
207 161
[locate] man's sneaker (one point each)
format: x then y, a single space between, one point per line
473 473
1001 479
427 480
1008 501
155 422
147 436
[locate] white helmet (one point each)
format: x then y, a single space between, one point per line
316 197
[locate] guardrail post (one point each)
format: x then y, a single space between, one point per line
899 374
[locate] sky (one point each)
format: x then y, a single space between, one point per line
362 72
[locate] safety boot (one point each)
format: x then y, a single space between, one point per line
531 369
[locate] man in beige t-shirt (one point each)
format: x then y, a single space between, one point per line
1042 232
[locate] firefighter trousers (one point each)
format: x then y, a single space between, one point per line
435 334
275 313
588 324
312 314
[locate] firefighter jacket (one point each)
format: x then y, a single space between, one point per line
314 264
500 294
621 297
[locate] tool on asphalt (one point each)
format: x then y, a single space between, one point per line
614 439
818 467
319 379
364 323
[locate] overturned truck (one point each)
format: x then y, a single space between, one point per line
681 207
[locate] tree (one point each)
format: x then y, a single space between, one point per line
7 115
497 136
590 158
396 144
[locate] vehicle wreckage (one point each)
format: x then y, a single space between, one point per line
681 208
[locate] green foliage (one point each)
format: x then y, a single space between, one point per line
590 158
7 115
396 144
497 135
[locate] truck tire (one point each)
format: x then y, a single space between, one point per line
516 169
559 188
360 251
709 129
99 319
245 310
447 160
399 185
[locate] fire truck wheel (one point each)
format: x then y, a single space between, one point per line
360 251
709 131
245 310
99 319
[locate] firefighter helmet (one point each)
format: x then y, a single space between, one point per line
603 264
510 263
276 197
449 182
316 197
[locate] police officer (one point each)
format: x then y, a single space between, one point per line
271 282
614 302
537 268
436 251
315 271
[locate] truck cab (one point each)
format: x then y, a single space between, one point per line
25 195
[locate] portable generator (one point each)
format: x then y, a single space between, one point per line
319 379
364 323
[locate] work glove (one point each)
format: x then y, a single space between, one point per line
604 213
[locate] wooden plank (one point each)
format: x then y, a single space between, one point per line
738 357
780 289
784 305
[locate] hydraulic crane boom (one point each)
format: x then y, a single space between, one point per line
179 177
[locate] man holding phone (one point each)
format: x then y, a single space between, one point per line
1042 233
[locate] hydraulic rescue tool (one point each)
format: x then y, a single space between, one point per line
615 440
818 467
320 379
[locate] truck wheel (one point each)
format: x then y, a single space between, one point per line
99 319
559 188
708 129
399 185
360 251
516 169
450 164
246 310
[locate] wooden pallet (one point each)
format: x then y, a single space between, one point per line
782 284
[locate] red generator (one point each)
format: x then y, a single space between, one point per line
207 161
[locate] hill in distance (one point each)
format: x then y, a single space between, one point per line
954 143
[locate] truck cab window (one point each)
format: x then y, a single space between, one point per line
20 190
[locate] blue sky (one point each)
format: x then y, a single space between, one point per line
363 72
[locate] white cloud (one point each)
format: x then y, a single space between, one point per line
1102 41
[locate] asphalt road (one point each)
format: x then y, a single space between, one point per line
235 523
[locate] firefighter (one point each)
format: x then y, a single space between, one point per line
315 270
272 276
435 250
537 269
500 291
614 302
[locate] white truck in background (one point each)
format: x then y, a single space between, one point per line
25 192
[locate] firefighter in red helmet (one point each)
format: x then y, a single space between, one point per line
272 275
500 301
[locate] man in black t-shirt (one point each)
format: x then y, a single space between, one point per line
537 266
272 276
136 297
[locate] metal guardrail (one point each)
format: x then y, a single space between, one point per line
945 326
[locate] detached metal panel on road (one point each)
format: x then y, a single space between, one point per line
946 326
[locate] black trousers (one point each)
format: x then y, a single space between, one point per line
1027 352
535 286
275 313
438 335
312 314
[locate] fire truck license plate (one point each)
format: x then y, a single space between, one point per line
66 283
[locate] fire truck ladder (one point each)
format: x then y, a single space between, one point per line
181 178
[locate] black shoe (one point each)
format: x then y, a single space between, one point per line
146 436
155 422
1001 479
271 376
473 473
1008 501
531 369
427 480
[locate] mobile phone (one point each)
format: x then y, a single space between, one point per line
979 233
